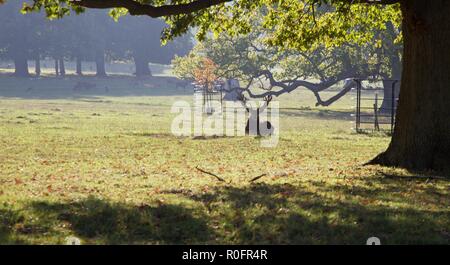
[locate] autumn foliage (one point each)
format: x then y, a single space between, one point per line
205 73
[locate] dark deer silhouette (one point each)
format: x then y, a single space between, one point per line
256 119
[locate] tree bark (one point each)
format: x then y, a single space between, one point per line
421 139
79 70
142 68
396 64
62 67
56 67
21 65
100 63
37 66
386 105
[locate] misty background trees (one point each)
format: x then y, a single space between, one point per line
89 37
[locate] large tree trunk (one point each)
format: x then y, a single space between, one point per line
79 70
387 104
100 63
142 68
56 67
421 138
37 66
21 66
62 67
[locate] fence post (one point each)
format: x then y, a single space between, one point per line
375 110
358 104
393 106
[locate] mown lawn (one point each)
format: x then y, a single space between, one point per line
102 165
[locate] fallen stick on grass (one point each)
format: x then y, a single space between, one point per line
209 173
258 177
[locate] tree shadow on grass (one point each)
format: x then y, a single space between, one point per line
312 212
98 221
9 218
288 214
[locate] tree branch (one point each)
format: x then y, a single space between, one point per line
290 85
334 98
136 8
211 174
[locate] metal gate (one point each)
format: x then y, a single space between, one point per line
375 111
206 95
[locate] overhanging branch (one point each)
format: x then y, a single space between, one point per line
287 86
136 8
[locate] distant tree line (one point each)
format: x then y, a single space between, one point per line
90 37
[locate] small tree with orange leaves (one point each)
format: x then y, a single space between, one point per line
205 73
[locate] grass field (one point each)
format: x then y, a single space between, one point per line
102 165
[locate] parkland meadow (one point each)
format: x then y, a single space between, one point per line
102 165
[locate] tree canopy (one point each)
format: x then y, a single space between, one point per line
295 24
276 71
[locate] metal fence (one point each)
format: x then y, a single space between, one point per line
207 95
375 106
